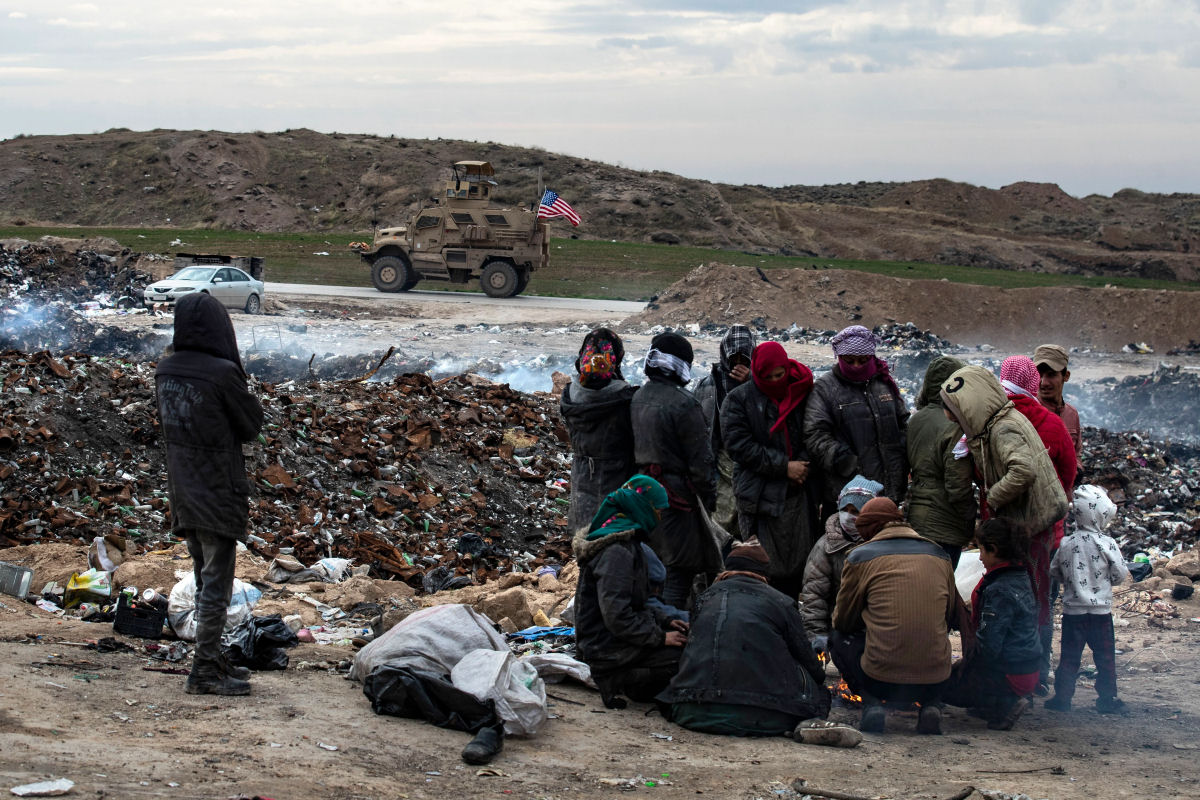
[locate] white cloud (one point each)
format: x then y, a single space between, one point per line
776 91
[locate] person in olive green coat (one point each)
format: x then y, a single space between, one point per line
941 497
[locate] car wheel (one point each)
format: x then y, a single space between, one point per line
499 279
253 304
393 274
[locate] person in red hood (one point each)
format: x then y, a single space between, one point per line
1020 379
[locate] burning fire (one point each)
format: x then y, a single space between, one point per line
841 689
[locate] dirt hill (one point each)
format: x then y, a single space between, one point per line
1020 319
302 180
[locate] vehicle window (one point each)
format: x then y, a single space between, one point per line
462 218
496 219
429 222
237 275
194 274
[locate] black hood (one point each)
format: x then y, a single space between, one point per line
202 323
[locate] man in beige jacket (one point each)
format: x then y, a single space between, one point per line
891 625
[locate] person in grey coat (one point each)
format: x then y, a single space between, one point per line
671 444
206 412
595 407
856 419
731 371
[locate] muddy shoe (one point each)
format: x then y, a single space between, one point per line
874 718
929 720
241 673
486 744
1111 705
216 684
829 734
1058 703
1006 722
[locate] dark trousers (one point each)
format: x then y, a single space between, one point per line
974 685
847 652
1041 547
212 563
1096 631
643 678
954 552
1046 632
677 589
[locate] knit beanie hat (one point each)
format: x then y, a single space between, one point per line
855 341
875 514
857 492
749 556
673 345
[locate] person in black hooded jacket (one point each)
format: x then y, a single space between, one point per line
595 407
206 411
671 444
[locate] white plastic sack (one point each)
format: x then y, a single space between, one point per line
967 574
553 667
433 638
335 569
514 686
181 606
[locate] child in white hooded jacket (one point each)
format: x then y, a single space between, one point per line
1088 563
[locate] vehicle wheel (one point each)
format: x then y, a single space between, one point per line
522 281
253 304
392 274
499 279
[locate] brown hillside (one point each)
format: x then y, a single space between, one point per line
1017 319
302 180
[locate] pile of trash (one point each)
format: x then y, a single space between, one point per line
1155 486
58 269
1165 404
461 476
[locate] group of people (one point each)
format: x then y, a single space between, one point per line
772 505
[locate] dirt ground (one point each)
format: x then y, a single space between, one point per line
117 730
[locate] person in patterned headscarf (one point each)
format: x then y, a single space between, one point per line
595 407
731 371
856 420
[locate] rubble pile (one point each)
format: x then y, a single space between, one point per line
57 271
410 476
30 326
1165 404
1155 486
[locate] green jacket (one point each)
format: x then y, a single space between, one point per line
941 497
1019 481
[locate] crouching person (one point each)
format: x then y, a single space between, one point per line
891 623
206 412
748 669
997 678
631 645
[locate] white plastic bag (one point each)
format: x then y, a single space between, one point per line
434 639
514 686
554 667
181 607
967 574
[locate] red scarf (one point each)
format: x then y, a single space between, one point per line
789 391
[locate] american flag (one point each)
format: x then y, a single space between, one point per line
554 206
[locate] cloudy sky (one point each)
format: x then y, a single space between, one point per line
1094 95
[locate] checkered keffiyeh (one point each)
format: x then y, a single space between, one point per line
1021 371
855 341
669 363
738 340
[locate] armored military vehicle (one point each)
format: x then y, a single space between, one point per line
461 236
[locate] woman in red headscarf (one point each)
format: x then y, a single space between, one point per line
762 427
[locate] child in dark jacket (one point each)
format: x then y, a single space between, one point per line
997 677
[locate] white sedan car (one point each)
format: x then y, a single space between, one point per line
230 285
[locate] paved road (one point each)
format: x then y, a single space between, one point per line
622 307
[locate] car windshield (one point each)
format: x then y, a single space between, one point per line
194 274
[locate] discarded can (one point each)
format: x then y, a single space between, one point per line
158 601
